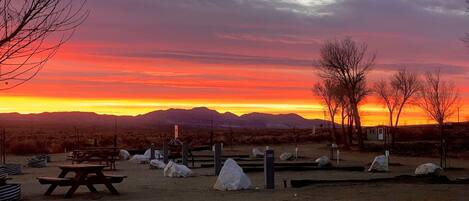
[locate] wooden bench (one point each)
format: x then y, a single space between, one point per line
91 179
111 178
55 180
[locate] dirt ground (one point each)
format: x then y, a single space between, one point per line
149 184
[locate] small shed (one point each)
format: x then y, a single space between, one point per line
378 133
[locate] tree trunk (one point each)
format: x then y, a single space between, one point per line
442 149
334 131
350 129
358 126
391 130
344 134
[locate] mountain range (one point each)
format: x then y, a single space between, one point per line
197 117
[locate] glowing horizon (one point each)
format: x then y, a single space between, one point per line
239 56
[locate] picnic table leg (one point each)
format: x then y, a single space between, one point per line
107 183
91 188
53 186
79 179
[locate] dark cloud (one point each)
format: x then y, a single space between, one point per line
424 67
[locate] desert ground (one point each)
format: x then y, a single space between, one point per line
150 184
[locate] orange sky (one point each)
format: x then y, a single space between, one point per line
249 58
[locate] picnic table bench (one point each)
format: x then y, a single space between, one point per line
85 174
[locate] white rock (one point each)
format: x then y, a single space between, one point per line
232 177
380 164
428 169
157 153
174 170
139 158
286 156
323 161
124 154
157 164
257 153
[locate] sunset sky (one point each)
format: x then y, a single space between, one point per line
132 57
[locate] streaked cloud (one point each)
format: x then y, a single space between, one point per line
257 52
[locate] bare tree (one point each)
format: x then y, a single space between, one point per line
440 100
396 93
346 62
328 92
31 33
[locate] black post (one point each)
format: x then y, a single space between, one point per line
269 171
4 147
165 151
217 158
184 154
152 151
95 142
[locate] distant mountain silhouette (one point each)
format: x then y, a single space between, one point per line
199 116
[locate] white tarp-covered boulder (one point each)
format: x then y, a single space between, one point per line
232 177
380 164
286 156
155 163
174 170
323 161
257 152
428 169
139 158
124 154
148 154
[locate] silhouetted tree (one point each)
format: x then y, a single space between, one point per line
31 31
327 90
346 62
439 99
395 94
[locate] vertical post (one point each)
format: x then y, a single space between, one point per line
152 151
115 141
296 153
217 158
211 133
269 171
95 142
4 147
78 138
165 152
184 154
338 156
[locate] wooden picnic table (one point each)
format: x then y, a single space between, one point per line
85 174
108 155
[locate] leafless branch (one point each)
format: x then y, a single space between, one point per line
31 32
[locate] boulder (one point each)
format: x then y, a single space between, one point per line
323 161
380 164
174 170
124 154
232 177
139 158
257 152
157 153
155 163
428 169
286 156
